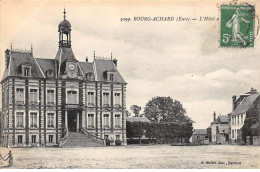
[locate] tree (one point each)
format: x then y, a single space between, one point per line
127 113
135 109
135 129
247 129
171 119
164 109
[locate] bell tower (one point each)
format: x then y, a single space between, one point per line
65 32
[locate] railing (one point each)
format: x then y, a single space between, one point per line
8 156
64 139
93 137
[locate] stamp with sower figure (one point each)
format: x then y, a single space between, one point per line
237 26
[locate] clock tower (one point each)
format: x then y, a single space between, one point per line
67 65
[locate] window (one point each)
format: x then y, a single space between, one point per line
72 97
232 120
50 120
106 121
106 99
106 137
33 120
117 137
232 134
20 139
111 77
50 138
117 99
19 96
33 138
235 119
26 71
33 96
50 97
90 120
117 121
242 120
238 119
91 98
19 119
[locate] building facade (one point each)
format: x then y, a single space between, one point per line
200 136
43 97
246 105
219 129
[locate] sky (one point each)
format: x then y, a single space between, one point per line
182 59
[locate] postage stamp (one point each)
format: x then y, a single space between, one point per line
237 25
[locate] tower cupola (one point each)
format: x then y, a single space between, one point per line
64 32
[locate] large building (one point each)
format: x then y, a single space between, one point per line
42 98
245 106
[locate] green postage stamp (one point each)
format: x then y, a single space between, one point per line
237 26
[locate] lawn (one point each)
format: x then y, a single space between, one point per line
211 156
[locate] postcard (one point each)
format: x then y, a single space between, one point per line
130 84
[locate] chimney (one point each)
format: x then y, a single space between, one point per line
234 102
214 116
115 62
7 58
86 59
253 91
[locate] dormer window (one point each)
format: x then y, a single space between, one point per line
90 76
50 73
111 77
26 70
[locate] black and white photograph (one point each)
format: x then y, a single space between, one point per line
129 84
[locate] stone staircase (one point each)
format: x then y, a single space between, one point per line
78 139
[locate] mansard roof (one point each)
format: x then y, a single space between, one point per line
47 64
245 105
86 67
64 54
18 58
103 65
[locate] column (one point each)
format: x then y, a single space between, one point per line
83 119
66 119
77 121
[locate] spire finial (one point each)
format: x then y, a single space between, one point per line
94 54
111 55
31 48
11 46
64 12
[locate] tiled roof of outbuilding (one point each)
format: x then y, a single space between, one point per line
244 106
200 131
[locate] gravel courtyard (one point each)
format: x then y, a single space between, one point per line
212 156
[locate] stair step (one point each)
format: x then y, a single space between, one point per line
76 139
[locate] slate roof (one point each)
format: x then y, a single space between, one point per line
102 66
223 119
200 131
137 119
41 65
244 106
86 67
46 64
19 58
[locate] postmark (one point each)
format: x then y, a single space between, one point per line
237 25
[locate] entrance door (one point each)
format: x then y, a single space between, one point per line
72 121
